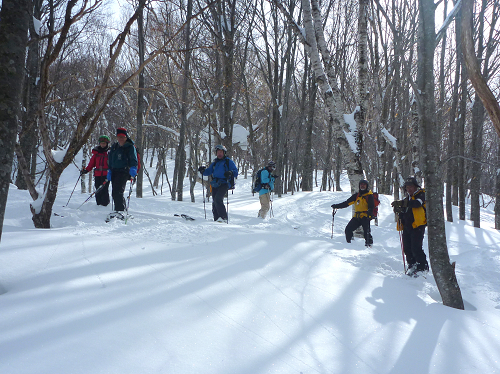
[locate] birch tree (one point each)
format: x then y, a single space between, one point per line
317 50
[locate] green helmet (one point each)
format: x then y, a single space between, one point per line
104 138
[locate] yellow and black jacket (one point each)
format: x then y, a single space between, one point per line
363 201
414 216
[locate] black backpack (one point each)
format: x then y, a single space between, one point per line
257 184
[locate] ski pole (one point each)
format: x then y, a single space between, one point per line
333 218
271 203
401 242
93 193
227 207
132 181
203 189
73 191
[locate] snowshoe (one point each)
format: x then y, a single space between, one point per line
115 215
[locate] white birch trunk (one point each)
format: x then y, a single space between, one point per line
315 42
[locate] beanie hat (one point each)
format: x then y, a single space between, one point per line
121 131
104 138
411 181
363 181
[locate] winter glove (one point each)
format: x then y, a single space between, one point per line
228 174
399 206
133 171
266 186
84 171
335 206
202 169
108 176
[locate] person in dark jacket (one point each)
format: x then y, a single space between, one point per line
363 212
122 166
99 162
412 221
223 171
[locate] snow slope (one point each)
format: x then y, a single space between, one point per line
164 295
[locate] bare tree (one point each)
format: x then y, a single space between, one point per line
442 269
140 94
14 23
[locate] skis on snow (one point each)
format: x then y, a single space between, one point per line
185 216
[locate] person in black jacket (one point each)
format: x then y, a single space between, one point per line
122 164
412 221
363 212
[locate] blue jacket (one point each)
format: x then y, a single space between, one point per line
122 158
266 177
217 169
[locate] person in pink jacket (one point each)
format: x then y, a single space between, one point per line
99 162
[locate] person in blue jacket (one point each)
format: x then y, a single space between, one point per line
267 180
223 171
122 166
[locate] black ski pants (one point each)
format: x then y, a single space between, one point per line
413 240
218 208
101 197
353 224
119 180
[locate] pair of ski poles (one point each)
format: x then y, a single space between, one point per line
92 194
204 207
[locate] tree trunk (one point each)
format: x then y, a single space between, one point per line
14 22
140 99
307 161
497 190
474 70
180 156
476 155
443 271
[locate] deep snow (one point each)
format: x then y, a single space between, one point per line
164 295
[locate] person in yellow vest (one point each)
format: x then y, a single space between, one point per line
363 212
412 221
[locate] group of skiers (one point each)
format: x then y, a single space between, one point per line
118 164
411 220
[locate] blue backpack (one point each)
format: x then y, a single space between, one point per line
257 184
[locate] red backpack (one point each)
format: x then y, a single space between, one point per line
376 203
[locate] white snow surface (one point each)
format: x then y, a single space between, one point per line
164 295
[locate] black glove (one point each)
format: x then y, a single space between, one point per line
275 176
399 206
266 186
84 171
202 169
335 206
228 174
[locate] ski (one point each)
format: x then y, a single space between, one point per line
185 216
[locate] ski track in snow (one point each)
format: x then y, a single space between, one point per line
222 273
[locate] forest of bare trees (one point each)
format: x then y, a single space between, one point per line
331 85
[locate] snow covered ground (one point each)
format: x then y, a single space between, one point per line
164 295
